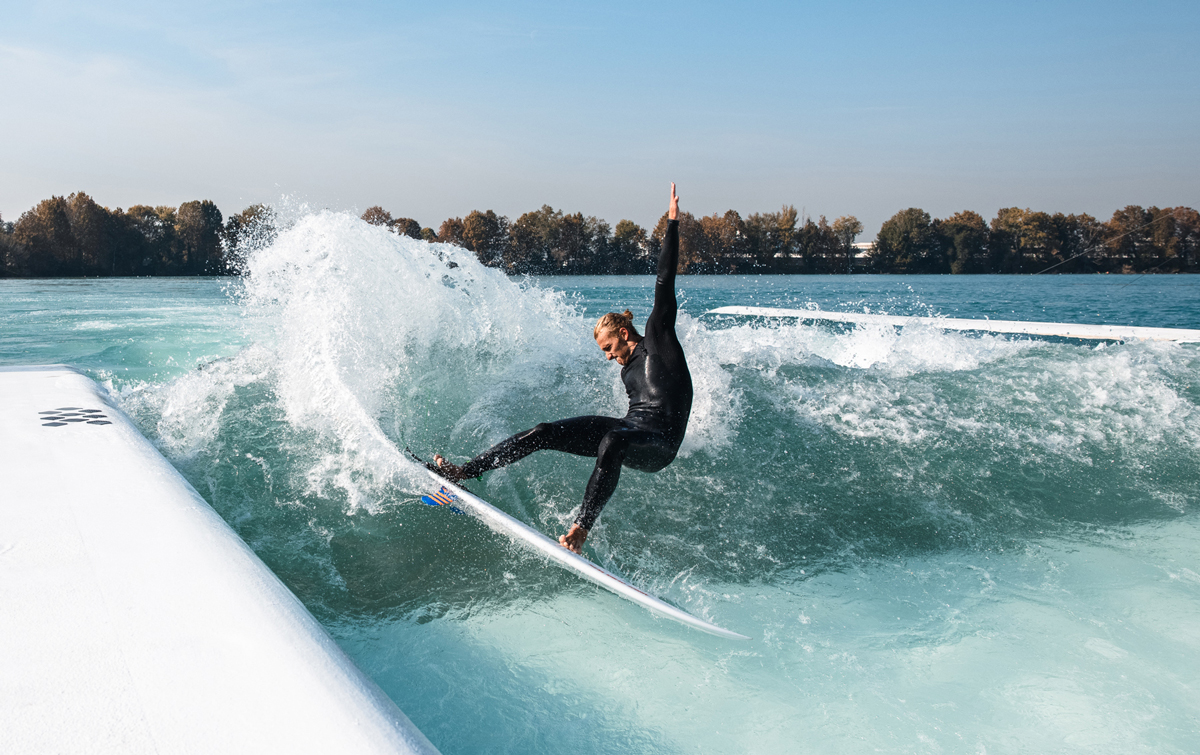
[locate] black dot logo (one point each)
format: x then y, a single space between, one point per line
69 415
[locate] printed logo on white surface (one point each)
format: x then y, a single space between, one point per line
67 415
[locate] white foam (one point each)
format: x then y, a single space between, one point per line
359 312
900 386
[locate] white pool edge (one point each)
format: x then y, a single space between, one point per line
134 619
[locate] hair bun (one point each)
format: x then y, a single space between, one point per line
612 322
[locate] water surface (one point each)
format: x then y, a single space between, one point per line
939 542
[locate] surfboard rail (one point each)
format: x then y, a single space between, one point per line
1018 327
512 527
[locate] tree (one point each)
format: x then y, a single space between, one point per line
45 234
1078 242
907 243
825 248
691 240
406 227
93 232
1155 239
1187 234
845 230
198 227
783 230
631 249
570 254
486 234
451 231
155 235
531 240
772 238
1009 240
964 239
601 248
252 228
376 215
724 245
11 253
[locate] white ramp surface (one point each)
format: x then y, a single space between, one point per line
1016 327
134 620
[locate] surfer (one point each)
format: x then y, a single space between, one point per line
656 378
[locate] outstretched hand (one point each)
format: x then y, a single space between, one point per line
673 213
573 540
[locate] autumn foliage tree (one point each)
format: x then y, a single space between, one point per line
47 245
486 234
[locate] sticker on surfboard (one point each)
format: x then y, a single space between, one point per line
442 497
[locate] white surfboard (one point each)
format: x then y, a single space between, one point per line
507 525
1054 329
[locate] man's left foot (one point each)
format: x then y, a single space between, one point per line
573 540
451 472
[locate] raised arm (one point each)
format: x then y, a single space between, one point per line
665 304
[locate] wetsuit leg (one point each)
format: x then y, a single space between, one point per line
613 442
645 450
580 436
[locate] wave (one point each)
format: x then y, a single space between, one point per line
810 447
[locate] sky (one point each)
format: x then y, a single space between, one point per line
432 110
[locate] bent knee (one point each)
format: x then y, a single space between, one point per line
613 443
540 430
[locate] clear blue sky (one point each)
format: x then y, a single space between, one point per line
435 109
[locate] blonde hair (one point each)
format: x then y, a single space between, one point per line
613 322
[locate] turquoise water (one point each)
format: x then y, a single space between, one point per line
939 542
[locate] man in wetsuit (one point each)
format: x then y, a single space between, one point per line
659 386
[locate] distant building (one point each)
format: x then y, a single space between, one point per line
862 254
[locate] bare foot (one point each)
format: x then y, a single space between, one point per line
573 540
451 472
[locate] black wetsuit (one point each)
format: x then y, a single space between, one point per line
647 438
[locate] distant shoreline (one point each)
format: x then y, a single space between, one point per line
238 276
74 237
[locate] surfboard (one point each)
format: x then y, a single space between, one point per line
1052 329
498 521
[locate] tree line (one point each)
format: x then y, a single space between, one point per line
547 241
1134 240
74 236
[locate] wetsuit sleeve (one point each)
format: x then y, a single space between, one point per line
666 307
